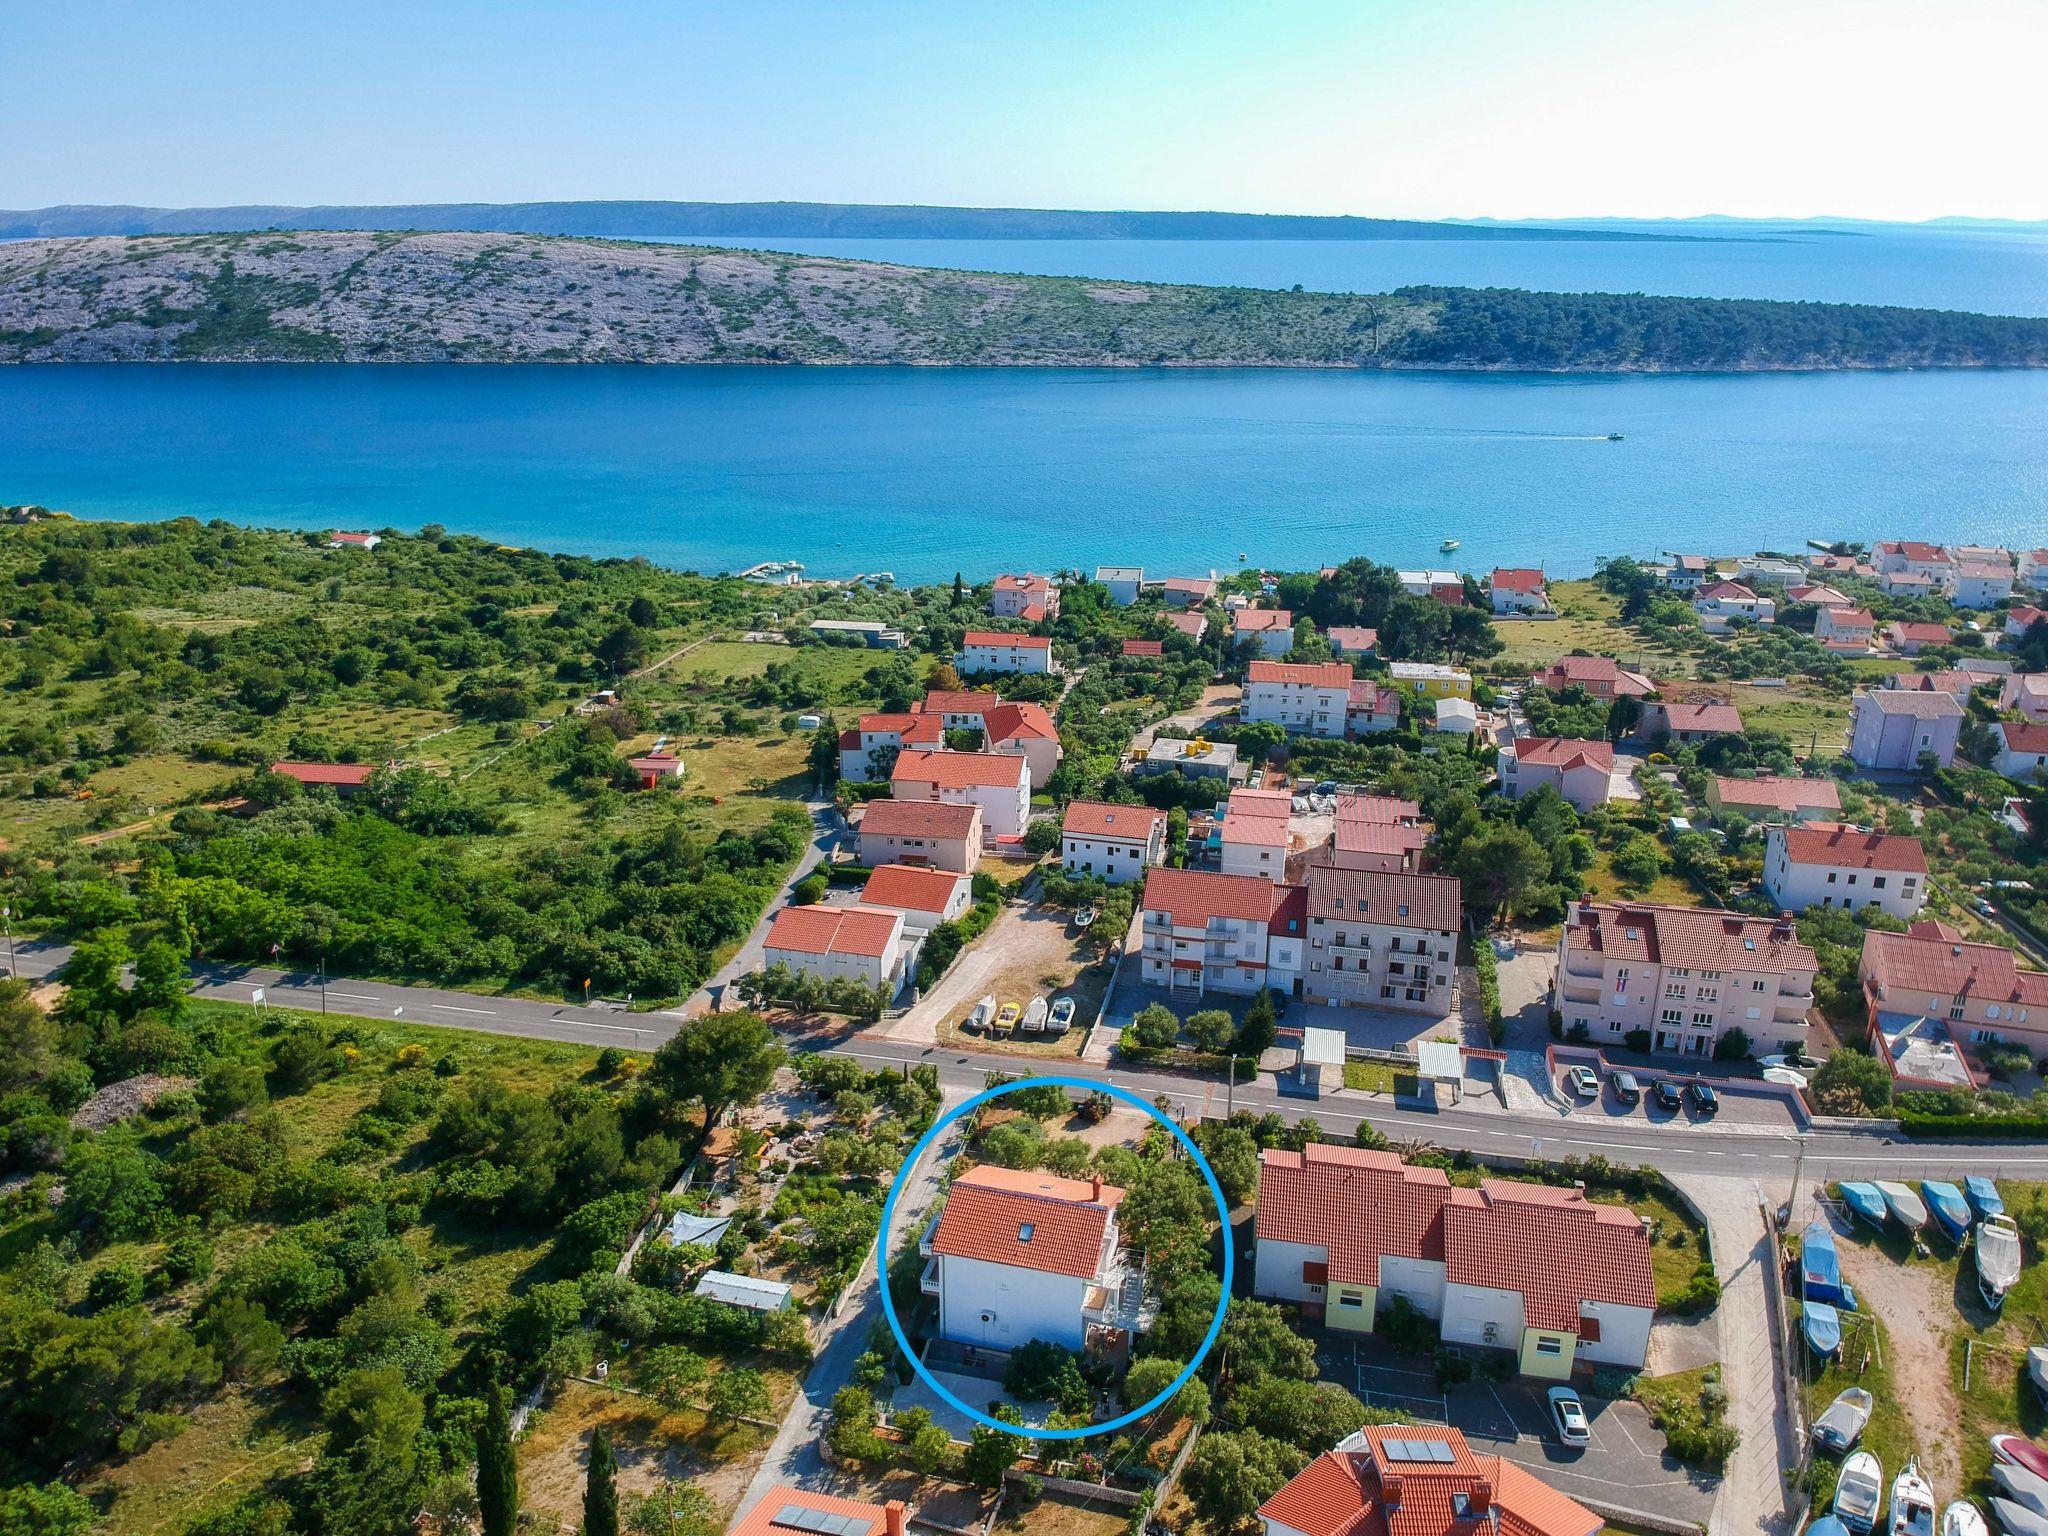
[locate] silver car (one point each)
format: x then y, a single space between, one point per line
1568 1414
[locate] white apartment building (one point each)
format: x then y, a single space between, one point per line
1203 932
1686 976
988 650
1270 629
1125 582
2020 750
1000 785
1724 602
1382 940
1979 584
1117 843
1310 697
1836 866
1912 557
924 896
1030 598
1255 833
921 833
863 944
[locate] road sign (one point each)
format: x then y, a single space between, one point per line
256 997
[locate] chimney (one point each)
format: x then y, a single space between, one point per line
1578 1189
1482 1498
1390 1490
894 1514
1095 1194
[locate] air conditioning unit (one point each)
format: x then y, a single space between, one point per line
1491 1333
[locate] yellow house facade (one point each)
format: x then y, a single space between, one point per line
1431 680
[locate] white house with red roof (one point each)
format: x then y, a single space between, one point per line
1932 998
1775 797
1685 976
1352 639
921 833
1021 1254
884 734
1535 1269
1581 771
2020 618
1204 932
2026 692
998 783
653 768
1193 625
1819 594
1830 865
1846 631
1008 727
1720 604
2033 568
1517 589
858 943
2020 750
1687 573
1378 832
791 1511
354 540
1912 636
1371 706
1913 557
1953 681
1310 697
1418 1480
924 896
1187 591
1664 722
1601 676
1978 584
1271 630
1117 843
989 650
1034 599
1255 833
345 779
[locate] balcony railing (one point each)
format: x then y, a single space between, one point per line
928 1282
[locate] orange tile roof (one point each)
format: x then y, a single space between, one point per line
1305 674
1932 961
1356 1204
1192 897
1564 752
1027 1219
998 639
1517 579
1842 847
1189 624
1582 670
1780 793
907 887
920 818
1913 549
908 728
326 773
1703 717
1365 1487
1352 637
1734 591
765 1518
959 701
834 931
1125 823
1006 722
1249 621
1923 633
1698 938
1024 583
1552 1244
2023 735
1144 647
1384 809
960 770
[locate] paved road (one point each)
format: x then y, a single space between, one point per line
1729 1152
826 827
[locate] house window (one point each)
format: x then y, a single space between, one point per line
1024 1233
1350 1296
1549 1344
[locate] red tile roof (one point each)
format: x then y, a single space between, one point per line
833 931
909 729
1352 637
1780 793
1007 722
908 888
1906 701
1000 640
1731 590
1189 624
1850 618
1144 647
1930 962
2023 735
1517 579
960 770
1369 696
1564 752
1305 674
1254 620
1024 583
764 1518
1984 570
326 773
1552 1244
1583 670
959 701
1124 823
1912 549
1192 897
1027 1219
1197 586
2018 619
1385 897
920 818
1699 938
1924 634
1359 1205
1379 837
1839 847
1703 717
1377 808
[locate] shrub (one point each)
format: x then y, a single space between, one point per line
1733 1046
1156 1027
809 891
1486 967
114 1285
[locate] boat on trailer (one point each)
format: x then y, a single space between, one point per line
1841 1426
1950 1210
1865 1203
1962 1518
1998 1259
1905 1206
1820 1268
1822 1325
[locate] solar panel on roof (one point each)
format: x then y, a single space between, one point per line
1417 1450
799 1518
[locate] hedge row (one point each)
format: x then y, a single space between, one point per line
1486 966
2021 1127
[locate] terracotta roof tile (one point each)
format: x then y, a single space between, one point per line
1026 1219
763 1519
1780 793
1701 939
1006 722
909 888
1564 752
1249 621
326 773
1124 823
1517 579
1305 674
1144 647
960 770
1352 637
1193 897
1931 961
2023 735
1703 717
1189 624
1362 1489
834 931
1552 1244
1585 670
1386 898
1839 847
920 818
1000 640
1357 1204
959 701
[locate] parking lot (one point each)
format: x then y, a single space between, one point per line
1749 1112
1624 1471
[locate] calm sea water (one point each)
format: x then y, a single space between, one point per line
926 471
1996 272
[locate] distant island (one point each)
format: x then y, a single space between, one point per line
783 221
387 297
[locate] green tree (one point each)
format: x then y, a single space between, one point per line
1852 1083
1637 862
1261 1027
676 1509
1502 869
160 979
1231 1474
1042 837
374 1414
719 1059
49 1510
1156 1027
497 1472
1211 1028
738 1393
992 1452
600 1489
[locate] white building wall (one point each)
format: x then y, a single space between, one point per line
863 968
1023 1304
1106 859
1276 1271
1297 707
1624 1334
1420 1280
1469 1308
1005 658
953 853
1262 859
2022 767
1795 887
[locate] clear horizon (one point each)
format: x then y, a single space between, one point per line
1555 110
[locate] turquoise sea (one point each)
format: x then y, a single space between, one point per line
927 471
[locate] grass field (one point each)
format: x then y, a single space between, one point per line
1589 619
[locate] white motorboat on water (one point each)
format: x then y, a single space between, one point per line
1858 1493
1997 1246
1912 1511
1962 1518
1904 1204
1448 545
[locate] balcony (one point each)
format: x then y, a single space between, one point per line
928 1282
924 1241
1119 1302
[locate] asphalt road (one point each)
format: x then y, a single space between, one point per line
1817 1156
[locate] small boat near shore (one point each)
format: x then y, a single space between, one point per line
1905 1206
1998 1259
1866 1203
1950 1210
1983 1196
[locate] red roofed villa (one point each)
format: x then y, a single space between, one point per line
1601 676
344 779
858 943
1519 590
1418 1480
1535 1269
1931 998
1581 771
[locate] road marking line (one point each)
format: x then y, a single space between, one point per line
354 997
453 1008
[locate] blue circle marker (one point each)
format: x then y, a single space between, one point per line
1086 1085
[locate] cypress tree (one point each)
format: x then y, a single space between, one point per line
600 1496
497 1475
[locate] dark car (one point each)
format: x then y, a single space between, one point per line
1704 1099
1626 1089
1669 1094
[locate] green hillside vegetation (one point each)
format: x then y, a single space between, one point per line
473 297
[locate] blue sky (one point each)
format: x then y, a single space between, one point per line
1510 108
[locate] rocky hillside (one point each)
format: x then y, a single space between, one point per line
472 297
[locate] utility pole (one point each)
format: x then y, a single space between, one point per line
323 984
7 919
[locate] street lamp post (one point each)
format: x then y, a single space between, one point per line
7 920
323 984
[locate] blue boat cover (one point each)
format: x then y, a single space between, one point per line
1984 1197
1820 1268
1823 1327
1951 1211
1827 1525
1867 1201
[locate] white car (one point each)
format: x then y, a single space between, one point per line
1568 1414
1801 1067
1584 1082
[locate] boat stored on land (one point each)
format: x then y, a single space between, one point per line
1822 1325
1983 1196
1962 1518
1951 1210
1825 1525
1858 1492
2021 1486
2020 1452
1034 1015
1905 1206
2037 1371
1841 1426
1912 1511
1998 1259
1820 1268
1865 1202
2017 1518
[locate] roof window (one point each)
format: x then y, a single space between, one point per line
1024 1233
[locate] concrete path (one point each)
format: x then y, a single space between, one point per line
826 828
1752 1498
793 1456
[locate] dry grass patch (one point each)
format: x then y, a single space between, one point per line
231 1446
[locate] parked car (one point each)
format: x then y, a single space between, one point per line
1796 1060
1669 1094
1787 1066
1584 1082
1568 1414
1626 1089
1704 1099
1327 787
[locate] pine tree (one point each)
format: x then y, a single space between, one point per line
600 1496
497 1475
959 590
